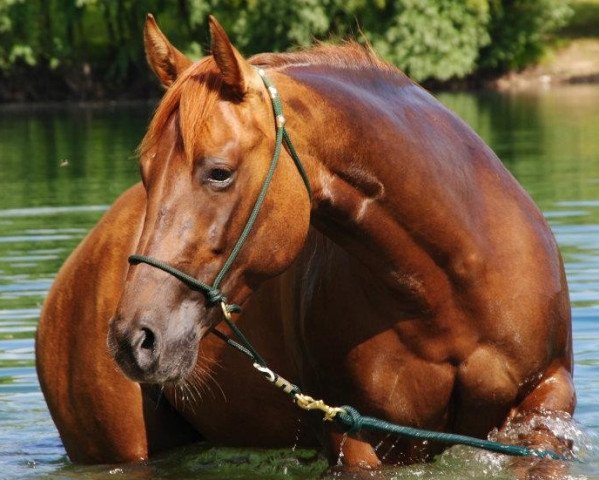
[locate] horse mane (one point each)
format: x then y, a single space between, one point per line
348 55
196 90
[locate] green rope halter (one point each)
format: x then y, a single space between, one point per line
213 293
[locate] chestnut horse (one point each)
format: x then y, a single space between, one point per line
421 284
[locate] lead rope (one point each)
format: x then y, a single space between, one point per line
347 417
351 421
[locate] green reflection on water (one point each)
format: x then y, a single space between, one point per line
547 139
68 156
53 160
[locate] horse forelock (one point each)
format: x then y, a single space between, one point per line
190 99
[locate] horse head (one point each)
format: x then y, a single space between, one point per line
203 163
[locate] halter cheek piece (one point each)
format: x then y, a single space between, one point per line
346 417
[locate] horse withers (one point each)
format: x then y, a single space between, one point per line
418 282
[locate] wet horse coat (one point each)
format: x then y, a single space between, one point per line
429 290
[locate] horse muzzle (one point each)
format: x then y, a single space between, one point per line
149 353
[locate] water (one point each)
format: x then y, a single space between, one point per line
61 167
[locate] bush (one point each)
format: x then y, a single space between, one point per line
519 31
437 39
96 46
433 39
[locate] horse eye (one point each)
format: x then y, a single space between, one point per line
219 175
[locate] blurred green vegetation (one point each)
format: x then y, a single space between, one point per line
93 48
519 29
584 21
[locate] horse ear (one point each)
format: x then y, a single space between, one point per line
166 61
237 73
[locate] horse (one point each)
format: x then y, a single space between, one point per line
418 281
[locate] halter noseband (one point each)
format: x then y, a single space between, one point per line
212 292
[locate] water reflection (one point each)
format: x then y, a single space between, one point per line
45 211
547 140
98 143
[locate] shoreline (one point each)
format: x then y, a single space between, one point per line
70 104
512 83
576 63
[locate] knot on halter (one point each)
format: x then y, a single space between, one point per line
350 419
215 296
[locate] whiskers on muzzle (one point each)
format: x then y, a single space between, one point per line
189 392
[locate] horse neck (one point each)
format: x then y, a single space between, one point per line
358 140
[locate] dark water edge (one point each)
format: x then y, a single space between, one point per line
57 106
25 84
548 139
46 88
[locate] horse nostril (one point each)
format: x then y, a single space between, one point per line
149 339
145 349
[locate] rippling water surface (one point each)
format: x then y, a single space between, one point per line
60 168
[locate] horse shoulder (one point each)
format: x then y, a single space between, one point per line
86 394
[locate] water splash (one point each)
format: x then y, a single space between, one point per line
390 449
474 463
341 454
562 425
381 442
297 433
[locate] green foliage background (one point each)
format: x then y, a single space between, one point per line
93 48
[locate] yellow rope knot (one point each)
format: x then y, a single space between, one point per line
308 403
